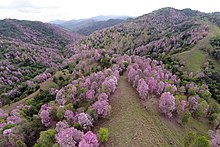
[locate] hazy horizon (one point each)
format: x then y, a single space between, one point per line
67 10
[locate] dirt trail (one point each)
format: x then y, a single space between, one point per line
130 125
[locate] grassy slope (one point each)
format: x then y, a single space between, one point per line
130 124
195 57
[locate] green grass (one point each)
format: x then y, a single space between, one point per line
195 58
133 123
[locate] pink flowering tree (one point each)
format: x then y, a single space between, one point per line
84 120
102 108
183 105
193 104
14 120
167 104
69 137
103 96
152 84
89 140
69 115
61 125
215 142
90 94
142 89
45 115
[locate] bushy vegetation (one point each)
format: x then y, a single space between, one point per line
215 42
103 134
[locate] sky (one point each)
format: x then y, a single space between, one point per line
48 10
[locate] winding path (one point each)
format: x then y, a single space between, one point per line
130 124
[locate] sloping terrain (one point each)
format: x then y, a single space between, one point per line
64 85
196 57
27 49
154 34
131 124
37 33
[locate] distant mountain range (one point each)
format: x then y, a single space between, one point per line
89 25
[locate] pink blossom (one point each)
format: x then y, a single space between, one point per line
167 103
90 94
183 105
14 120
142 89
102 108
83 119
69 137
69 115
89 140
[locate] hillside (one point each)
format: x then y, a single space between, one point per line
36 33
28 49
162 30
164 35
148 121
126 85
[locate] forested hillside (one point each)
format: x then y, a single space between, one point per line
27 50
148 81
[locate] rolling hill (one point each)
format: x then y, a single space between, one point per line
182 34
148 81
29 48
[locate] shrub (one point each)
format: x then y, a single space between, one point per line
8 127
126 64
69 107
20 143
47 138
192 91
206 95
202 108
103 134
213 117
60 113
53 112
201 141
214 107
186 117
189 138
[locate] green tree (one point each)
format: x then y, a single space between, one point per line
47 138
20 143
186 117
189 138
103 134
201 141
